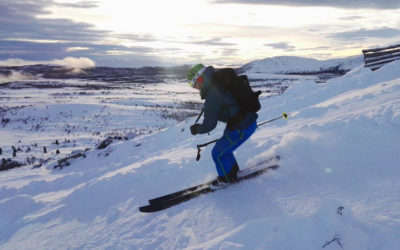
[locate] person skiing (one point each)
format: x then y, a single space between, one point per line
221 105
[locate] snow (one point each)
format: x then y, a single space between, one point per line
293 64
337 186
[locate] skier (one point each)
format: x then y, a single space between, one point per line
220 105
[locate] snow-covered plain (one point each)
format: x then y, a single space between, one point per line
337 186
79 114
76 114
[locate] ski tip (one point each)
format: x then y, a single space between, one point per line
150 208
144 209
274 167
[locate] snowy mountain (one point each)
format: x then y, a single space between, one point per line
337 186
293 64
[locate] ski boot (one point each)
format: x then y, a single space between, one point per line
222 182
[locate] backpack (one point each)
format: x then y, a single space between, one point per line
239 86
227 80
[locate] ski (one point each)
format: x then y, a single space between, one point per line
176 198
173 202
204 185
180 193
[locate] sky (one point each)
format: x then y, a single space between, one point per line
121 33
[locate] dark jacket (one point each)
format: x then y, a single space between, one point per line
219 105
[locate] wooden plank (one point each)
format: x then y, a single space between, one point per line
382 62
380 49
375 59
383 53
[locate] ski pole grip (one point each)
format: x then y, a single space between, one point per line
199 146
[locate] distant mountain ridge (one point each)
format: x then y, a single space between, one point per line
274 65
294 64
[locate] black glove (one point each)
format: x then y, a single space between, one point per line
194 129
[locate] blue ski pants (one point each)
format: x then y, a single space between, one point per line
222 152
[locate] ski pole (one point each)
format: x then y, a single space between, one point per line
199 146
201 113
284 115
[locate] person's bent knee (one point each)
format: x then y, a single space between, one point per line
215 153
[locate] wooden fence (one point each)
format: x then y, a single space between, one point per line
376 58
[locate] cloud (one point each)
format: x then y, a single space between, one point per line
75 63
28 37
77 48
16 62
351 18
22 9
345 4
45 52
317 48
128 61
216 41
362 34
136 37
81 4
281 45
37 51
229 52
171 49
18 19
68 62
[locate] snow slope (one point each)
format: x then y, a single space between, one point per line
291 64
337 185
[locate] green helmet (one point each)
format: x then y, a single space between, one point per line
194 73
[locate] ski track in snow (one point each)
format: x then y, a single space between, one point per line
339 148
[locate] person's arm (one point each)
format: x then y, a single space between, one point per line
212 109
